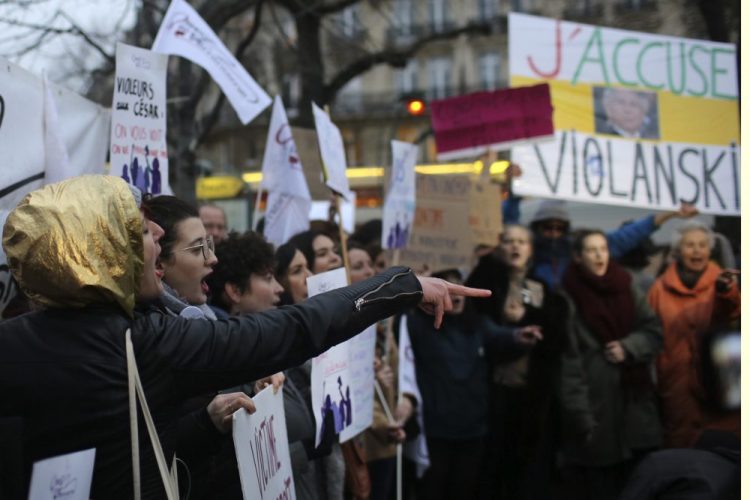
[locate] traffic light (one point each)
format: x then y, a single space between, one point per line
415 106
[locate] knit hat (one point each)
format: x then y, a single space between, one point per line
551 210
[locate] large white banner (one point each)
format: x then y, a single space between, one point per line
332 152
262 449
342 378
401 200
38 125
289 197
138 151
640 119
183 32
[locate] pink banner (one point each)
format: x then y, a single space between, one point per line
471 124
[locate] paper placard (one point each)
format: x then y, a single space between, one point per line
64 476
262 448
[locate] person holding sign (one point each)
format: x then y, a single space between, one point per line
85 251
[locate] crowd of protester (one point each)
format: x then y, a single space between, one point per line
582 376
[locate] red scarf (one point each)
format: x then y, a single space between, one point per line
607 307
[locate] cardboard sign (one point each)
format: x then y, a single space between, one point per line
640 120
138 150
65 476
262 449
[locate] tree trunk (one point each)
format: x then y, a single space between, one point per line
310 61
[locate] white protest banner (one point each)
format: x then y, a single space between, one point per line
332 152
342 378
65 476
262 449
640 119
416 449
138 151
288 198
401 200
27 149
183 32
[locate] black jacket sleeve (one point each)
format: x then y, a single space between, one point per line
205 356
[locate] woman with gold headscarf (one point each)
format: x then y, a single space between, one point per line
83 250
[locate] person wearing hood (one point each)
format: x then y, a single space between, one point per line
552 240
84 250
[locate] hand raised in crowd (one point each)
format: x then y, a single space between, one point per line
276 380
528 335
221 408
614 352
384 374
685 211
436 296
727 279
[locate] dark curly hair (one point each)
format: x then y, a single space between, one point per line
239 255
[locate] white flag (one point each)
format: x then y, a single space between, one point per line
184 33
288 195
415 449
56 159
286 215
332 152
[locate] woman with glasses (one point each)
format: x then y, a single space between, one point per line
186 259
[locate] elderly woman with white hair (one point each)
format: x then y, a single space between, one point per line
693 297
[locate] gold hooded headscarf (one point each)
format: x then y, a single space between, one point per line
76 243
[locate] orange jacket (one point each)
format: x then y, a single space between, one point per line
686 315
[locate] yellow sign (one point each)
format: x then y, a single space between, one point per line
211 188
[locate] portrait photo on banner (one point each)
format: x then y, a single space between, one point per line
626 112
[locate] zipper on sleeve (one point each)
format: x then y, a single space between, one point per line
360 302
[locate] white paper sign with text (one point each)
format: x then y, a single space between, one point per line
138 149
262 449
331 152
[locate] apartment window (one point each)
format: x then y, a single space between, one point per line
439 70
522 5
406 78
487 9
350 24
438 14
403 13
489 70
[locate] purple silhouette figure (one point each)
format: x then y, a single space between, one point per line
125 173
134 170
156 178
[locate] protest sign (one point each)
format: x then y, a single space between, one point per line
262 448
65 476
138 145
640 120
289 198
309 153
400 201
485 213
342 378
31 141
468 125
441 236
183 32
332 153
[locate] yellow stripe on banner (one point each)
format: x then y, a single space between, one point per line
682 118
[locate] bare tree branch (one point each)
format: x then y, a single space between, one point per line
395 57
106 55
335 7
